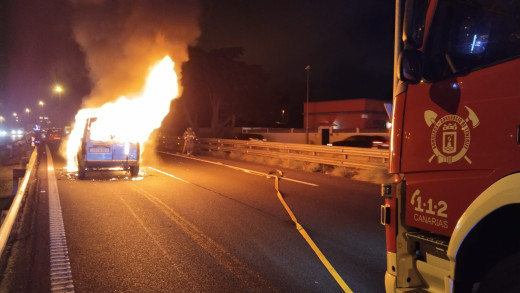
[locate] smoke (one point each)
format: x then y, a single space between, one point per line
122 39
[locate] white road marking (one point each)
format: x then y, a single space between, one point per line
233 167
168 174
60 271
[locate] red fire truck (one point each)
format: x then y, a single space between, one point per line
452 210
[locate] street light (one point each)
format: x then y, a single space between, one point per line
27 113
308 68
41 114
58 89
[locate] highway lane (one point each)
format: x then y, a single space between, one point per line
188 225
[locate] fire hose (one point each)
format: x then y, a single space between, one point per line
276 175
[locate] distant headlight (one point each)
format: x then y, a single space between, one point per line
16 132
3 133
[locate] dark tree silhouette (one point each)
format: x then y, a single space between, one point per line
220 91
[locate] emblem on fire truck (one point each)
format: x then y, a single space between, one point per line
451 136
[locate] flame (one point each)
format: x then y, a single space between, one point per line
128 119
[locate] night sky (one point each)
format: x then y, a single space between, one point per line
348 44
89 46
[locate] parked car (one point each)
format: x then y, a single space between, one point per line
54 135
94 155
67 130
250 136
364 141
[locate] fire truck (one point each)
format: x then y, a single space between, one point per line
452 209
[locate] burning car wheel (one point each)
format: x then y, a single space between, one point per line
134 171
82 172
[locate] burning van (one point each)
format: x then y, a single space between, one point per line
106 153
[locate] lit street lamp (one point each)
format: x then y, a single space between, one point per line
59 90
27 115
308 68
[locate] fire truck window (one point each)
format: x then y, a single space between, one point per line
469 35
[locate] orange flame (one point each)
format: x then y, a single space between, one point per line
129 119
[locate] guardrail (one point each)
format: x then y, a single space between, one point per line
352 157
7 224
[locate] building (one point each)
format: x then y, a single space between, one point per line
346 114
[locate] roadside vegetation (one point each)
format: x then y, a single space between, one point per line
6 174
6 180
11 158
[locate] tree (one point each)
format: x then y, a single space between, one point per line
220 90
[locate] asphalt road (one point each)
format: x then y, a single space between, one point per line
188 225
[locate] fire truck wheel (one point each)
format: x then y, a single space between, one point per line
503 277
